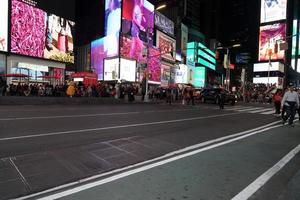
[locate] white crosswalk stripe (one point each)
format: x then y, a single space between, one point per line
251 109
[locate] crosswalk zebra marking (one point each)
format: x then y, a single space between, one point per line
262 110
268 112
248 109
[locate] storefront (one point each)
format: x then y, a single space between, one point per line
38 71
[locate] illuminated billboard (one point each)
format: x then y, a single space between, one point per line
164 24
165 75
181 74
39 34
270 38
3 25
111 69
127 70
153 60
273 66
273 10
137 18
112 26
199 77
97 56
167 46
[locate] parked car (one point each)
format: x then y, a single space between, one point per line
212 95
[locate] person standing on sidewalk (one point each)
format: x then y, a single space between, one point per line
277 102
291 102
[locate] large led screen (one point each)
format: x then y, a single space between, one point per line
112 26
40 34
181 74
269 41
199 77
165 75
273 10
153 60
111 69
128 70
167 46
3 24
138 20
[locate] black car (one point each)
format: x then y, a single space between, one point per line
212 95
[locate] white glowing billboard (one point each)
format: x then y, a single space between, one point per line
128 70
111 69
273 10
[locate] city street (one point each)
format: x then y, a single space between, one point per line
147 151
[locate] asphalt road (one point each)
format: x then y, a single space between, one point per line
46 146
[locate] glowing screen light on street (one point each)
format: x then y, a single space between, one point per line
39 34
138 20
3 25
269 41
273 10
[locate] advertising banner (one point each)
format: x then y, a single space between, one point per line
167 46
184 38
111 69
164 24
3 25
128 70
39 34
199 77
138 21
165 75
270 38
273 66
112 26
273 10
181 74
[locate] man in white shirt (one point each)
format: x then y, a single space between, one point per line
291 103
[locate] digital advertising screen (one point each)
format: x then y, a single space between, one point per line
128 70
270 38
273 10
199 77
112 26
154 65
39 34
273 66
111 69
3 25
131 51
164 24
138 20
153 61
181 74
165 75
167 46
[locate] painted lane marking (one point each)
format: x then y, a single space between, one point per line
150 166
93 115
235 108
114 127
265 177
248 109
171 154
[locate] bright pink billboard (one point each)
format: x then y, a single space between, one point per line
153 61
269 42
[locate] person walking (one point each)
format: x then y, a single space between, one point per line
291 103
277 97
221 98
